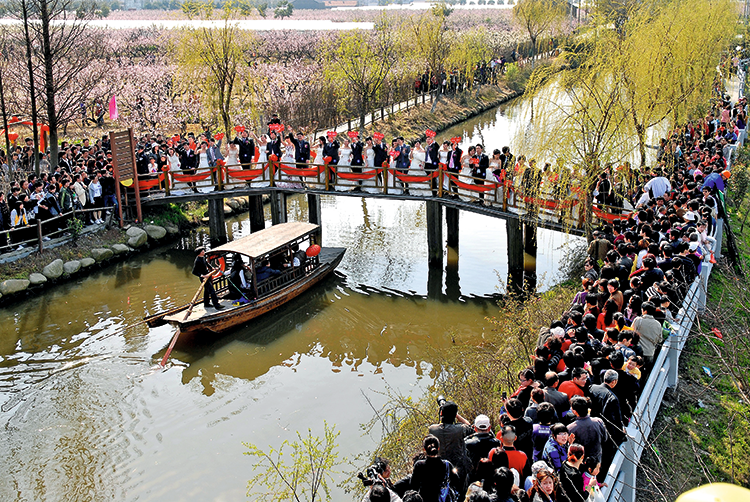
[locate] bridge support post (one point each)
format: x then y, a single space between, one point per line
314 210
216 227
257 218
529 257
278 207
451 222
434 233
452 285
514 234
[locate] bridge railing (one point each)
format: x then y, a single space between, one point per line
621 476
561 205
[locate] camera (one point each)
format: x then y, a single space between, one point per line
441 400
373 473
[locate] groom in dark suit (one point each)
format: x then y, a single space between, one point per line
247 149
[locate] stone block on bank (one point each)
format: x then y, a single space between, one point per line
156 232
172 229
54 270
120 248
135 231
13 286
36 279
87 262
139 240
101 254
72 267
227 210
234 204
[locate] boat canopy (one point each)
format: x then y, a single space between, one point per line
266 241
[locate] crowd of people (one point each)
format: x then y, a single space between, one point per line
557 433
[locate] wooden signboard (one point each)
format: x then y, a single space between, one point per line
123 164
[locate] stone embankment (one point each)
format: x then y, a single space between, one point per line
138 238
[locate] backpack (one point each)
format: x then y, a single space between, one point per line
447 493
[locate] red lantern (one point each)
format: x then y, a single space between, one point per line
313 250
14 119
12 136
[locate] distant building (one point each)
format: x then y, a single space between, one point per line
309 4
132 4
340 3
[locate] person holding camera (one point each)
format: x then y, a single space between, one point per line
451 436
379 480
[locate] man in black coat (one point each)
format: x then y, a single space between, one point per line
274 145
301 149
357 159
431 161
381 154
247 149
605 405
454 166
331 149
479 168
201 270
479 444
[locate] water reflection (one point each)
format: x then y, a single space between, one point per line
86 415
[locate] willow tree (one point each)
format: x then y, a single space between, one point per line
468 50
427 37
538 17
579 119
670 54
361 61
212 60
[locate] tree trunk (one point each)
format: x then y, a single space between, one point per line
32 90
49 83
5 117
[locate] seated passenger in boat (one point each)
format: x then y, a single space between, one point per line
238 280
299 258
265 271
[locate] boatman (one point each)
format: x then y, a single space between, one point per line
201 270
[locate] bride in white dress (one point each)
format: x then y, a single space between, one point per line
206 185
262 159
288 160
233 156
418 156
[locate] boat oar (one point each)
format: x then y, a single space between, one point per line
189 311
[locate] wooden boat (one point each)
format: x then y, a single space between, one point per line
276 243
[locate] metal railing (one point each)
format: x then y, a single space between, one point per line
38 231
621 476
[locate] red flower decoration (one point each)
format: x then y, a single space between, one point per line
221 163
327 159
273 158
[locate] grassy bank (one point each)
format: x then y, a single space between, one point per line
35 262
702 433
473 373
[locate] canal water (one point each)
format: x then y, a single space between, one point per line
87 415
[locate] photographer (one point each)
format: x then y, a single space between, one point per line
451 436
379 479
